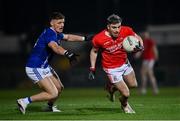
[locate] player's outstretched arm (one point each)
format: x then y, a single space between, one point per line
72 37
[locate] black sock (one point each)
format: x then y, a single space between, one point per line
123 100
50 104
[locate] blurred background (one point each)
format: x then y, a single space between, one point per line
22 21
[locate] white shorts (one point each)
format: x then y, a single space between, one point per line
116 74
148 63
37 74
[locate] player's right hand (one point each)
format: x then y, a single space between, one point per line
71 56
91 73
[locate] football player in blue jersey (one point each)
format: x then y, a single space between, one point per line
38 68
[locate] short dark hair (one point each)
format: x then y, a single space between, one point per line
56 15
114 19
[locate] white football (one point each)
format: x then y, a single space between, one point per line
130 42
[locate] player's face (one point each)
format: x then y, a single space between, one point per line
113 29
57 25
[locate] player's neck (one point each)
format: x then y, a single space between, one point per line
108 34
52 29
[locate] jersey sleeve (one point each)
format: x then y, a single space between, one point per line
95 43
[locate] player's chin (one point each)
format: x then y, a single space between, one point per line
60 30
115 35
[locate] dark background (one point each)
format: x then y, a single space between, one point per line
29 18
86 15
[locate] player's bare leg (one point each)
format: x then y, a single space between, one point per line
51 102
124 90
131 82
59 87
111 90
131 79
49 92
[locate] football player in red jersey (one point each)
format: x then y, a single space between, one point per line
114 59
149 57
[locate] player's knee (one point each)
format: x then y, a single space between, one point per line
60 88
54 94
126 93
134 84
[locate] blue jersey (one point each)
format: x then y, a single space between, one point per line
41 54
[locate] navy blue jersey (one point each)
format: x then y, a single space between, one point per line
41 54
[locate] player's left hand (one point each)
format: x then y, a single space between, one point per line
71 56
88 37
138 48
91 73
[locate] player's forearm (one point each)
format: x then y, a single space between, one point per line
59 50
71 37
56 48
93 57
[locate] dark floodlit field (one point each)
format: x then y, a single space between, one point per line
92 104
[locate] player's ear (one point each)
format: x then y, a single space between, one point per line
51 22
108 27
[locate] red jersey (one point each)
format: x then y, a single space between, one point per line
113 55
148 53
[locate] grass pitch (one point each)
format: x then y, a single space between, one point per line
92 104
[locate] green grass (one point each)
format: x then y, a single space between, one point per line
92 104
